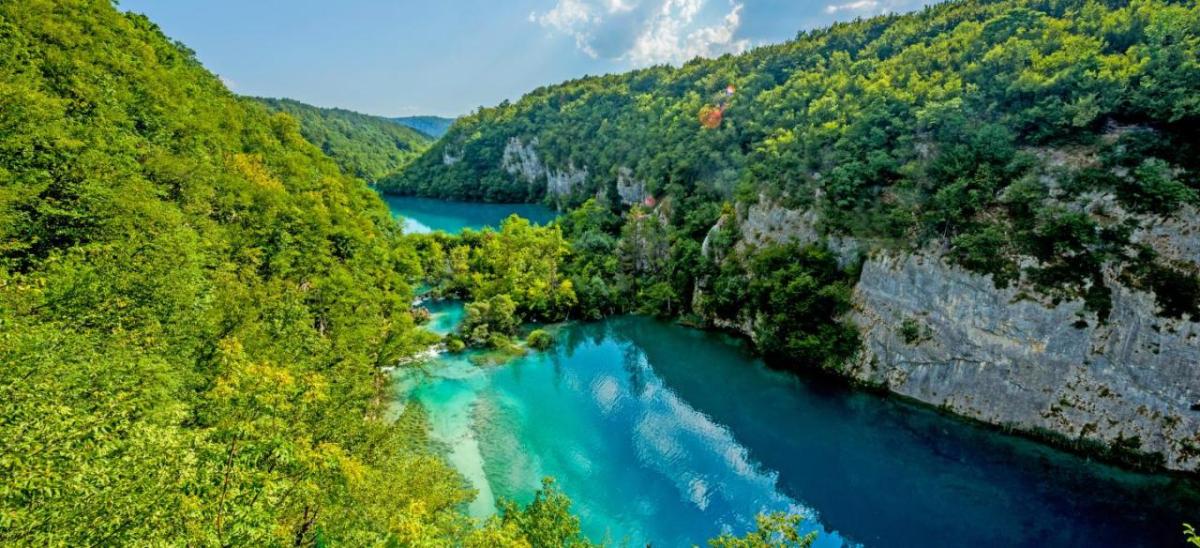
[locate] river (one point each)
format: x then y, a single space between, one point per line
670 435
424 215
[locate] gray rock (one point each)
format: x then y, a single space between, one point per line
766 222
630 190
1008 361
1176 237
948 337
521 160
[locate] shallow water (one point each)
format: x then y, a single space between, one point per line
424 215
669 435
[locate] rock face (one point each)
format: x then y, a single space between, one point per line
947 337
1176 238
522 160
765 222
630 190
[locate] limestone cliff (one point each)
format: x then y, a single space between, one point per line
948 337
521 160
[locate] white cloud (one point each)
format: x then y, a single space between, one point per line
229 83
648 32
574 18
672 37
620 6
862 6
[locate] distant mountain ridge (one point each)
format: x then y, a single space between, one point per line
433 126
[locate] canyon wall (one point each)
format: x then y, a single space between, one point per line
942 335
948 337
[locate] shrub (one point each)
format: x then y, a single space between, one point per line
539 339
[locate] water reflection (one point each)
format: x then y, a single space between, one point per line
664 434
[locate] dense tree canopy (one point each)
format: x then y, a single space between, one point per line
368 147
994 129
196 306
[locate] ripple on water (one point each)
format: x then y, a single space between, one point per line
668 435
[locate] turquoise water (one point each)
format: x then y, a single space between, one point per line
669 435
423 215
444 316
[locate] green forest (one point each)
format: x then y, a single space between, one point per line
990 128
201 295
367 147
195 308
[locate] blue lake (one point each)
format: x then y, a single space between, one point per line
423 215
670 435
665 434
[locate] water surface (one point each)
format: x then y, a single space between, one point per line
669 435
423 215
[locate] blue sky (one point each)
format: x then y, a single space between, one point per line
447 57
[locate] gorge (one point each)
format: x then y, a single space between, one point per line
910 279
667 435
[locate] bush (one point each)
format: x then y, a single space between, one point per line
539 339
455 345
499 342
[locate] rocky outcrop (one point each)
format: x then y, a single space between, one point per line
521 160
565 182
706 247
766 222
630 190
947 337
646 243
1176 238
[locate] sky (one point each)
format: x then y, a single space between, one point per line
448 57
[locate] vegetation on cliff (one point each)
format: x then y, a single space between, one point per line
197 305
592 263
1028 138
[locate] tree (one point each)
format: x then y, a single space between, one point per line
196 310
545 522
778 530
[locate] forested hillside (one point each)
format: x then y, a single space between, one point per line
368 147
984 127
195 307
198 306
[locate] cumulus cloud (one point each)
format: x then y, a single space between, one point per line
572 17
870 7
648 32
